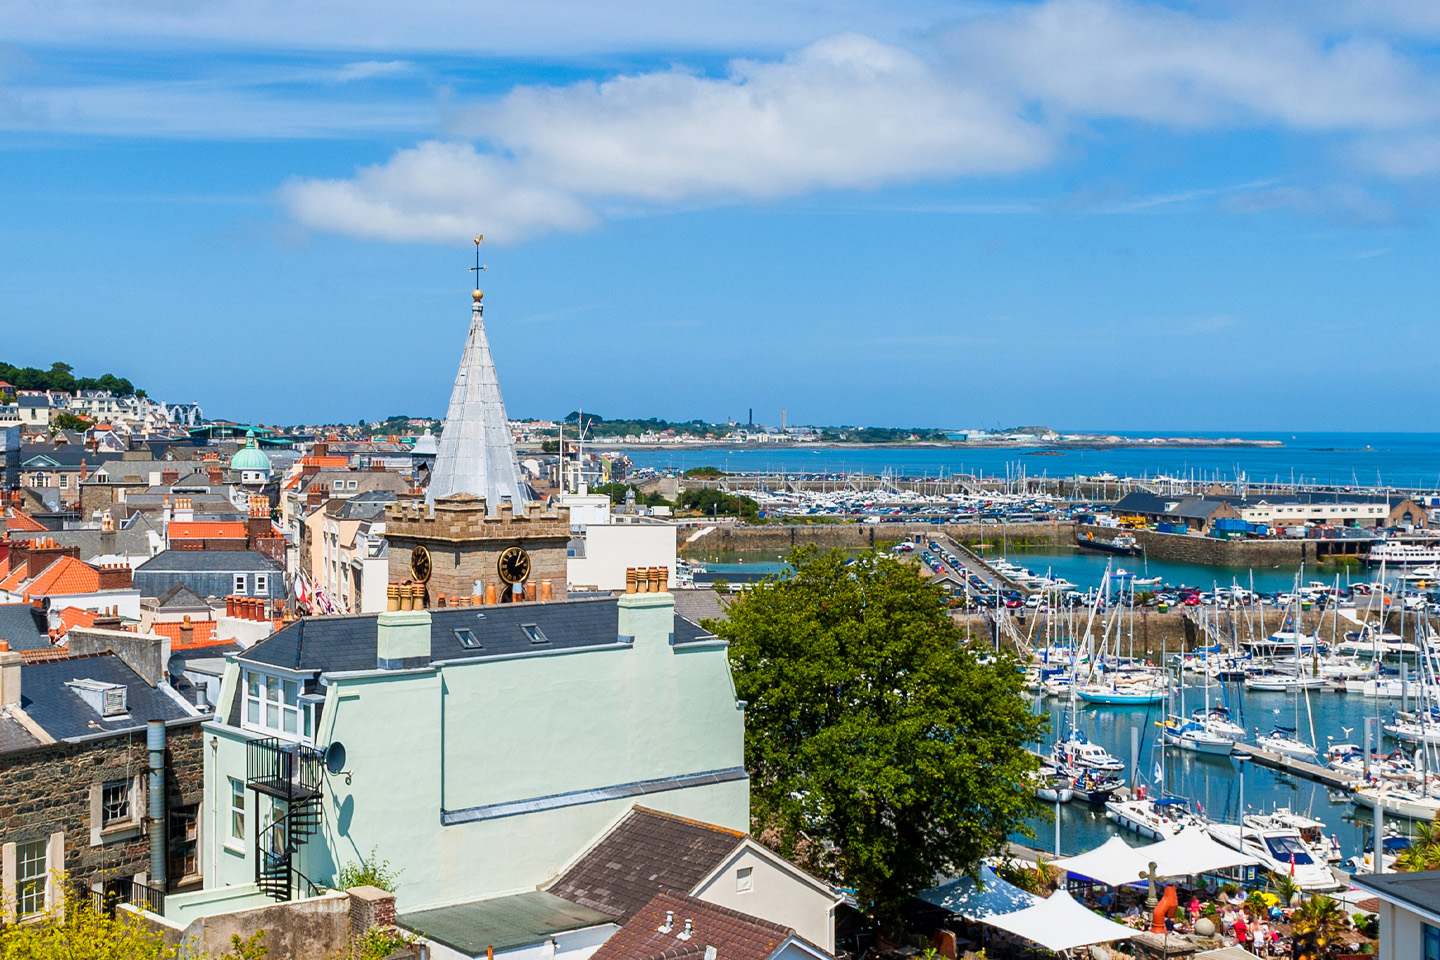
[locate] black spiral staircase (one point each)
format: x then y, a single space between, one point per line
289 772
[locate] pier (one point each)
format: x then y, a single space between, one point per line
1310 771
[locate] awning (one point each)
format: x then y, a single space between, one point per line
1113 863
1059 923
1193 852
988 898
1189 853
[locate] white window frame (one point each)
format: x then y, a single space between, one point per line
744 879
117 803
32 878
272 704
237 813
262 584
240 582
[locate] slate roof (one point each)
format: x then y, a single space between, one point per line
61 712
1189 507
67 456
208 561
340 643
132 539
22 628
1418 891
13 735
645 854
734 935
180 595
502 922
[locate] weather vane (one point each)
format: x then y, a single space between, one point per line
479 239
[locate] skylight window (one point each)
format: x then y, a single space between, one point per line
533 633
467 638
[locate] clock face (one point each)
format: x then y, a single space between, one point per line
420 564
514 565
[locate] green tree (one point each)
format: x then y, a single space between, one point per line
615 491
704 472
882 750
1319 925
65 420
1423 852
75 930
371 871
708 502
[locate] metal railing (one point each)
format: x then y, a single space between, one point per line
287 770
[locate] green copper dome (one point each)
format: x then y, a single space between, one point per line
250 457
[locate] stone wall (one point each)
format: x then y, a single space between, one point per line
465 543
1185 548
46 789
778 539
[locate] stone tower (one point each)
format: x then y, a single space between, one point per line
476 509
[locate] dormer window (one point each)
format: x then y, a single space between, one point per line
272 704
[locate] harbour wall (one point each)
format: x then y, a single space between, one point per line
1185 548
779 539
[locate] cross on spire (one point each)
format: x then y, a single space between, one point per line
479 239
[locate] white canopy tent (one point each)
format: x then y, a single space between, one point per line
1189 853
988 898
1059 923
1114 863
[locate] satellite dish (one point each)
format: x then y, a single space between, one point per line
175 666
335 757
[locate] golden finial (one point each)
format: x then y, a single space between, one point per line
479 239
477 295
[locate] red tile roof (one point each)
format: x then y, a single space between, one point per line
65 575
734 935
207 530
15 577
202 633
75 617
22 522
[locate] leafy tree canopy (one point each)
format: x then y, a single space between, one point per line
883 751
61 376
706 471
708 502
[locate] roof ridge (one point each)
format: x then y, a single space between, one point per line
712 827
706 905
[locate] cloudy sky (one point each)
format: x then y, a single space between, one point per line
1085 213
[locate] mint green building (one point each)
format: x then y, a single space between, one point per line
477 749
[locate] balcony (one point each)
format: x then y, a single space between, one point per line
284 770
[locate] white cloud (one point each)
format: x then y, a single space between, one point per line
1100 59
368 69
845 112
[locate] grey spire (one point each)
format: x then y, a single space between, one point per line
476 454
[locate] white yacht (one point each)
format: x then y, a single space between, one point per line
1398 801
1282 740
1325 847
1191 736
1281 850
1217 721
1153 819
1076 752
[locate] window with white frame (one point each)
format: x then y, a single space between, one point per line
240 582
262 584
744 879
31 874
237 809
272 703
115 803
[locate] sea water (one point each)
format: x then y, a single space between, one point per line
1360 459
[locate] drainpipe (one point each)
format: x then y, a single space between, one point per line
155 740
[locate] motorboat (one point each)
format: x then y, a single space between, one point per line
1324 847
1398 801
1283 682
1410 728
1364 862
1282 740
1094 786
1281 850
1076 753
1191 736
1052 786
1154 819
1286 641
1217 721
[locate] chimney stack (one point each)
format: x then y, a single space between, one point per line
402 636
10 662
116 576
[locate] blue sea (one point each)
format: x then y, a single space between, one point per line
1360 459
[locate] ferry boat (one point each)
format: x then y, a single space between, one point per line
1397 553
1281 850
1153 819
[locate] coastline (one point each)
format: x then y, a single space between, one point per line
1030 449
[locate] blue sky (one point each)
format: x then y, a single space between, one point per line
1083 213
